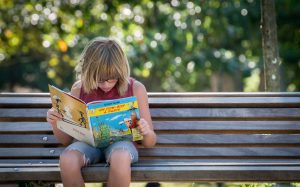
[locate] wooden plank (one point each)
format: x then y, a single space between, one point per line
44 102
181 113
227 113
226 125
25 127
291 126
28 102
171 173
167 152
230 102
29 162
17 94
174 139
24 113
29 152
217 139
161 162
217 162
223 94
38 139
180 94
220 152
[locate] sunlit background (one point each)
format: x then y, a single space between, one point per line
179 46
172 46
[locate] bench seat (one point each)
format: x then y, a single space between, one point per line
205 137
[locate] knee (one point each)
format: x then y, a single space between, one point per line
120 158
71 160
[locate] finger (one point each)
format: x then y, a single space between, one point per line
55 115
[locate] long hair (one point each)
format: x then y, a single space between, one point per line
103 59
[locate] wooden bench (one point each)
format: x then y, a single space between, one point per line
201 137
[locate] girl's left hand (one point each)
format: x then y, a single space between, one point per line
144 127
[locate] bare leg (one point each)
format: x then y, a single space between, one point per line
71 163
120 170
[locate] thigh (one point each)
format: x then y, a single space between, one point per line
91 154
125 145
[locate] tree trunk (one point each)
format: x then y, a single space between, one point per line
270 46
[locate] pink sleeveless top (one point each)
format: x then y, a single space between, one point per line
98 94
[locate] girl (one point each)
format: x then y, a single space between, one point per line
103 73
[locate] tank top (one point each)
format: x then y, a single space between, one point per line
99 94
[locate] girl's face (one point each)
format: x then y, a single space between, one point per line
107 85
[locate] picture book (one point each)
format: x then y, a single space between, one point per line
98 123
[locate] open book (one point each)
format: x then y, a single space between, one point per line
98 123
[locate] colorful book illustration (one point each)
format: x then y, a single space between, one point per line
98 123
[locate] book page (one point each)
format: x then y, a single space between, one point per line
79 133
72 108
114 120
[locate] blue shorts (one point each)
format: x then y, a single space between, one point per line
94 155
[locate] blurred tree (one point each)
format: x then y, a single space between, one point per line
172 46
270 46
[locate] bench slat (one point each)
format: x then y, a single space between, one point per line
232 139
222 152
168 152
170 173
292 126
226 125
205 113
23 113
42 139
161 162
179 94
228 113
223 94
229 102
44 102
30 152
176 139
42 127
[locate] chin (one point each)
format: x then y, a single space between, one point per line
106 90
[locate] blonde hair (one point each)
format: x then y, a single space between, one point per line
103 59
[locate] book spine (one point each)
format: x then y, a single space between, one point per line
90 126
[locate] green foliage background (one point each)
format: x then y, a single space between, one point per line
171 45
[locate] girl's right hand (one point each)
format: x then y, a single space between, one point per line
53 116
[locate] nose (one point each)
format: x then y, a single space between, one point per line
104 84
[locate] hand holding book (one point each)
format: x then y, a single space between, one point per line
144 127
53 116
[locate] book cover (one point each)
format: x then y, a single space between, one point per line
97 123
114 120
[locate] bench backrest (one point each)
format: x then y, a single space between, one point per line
190 126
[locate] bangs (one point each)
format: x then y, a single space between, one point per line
107 71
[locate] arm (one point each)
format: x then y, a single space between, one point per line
145 124
53 116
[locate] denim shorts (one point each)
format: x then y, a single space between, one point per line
94 155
